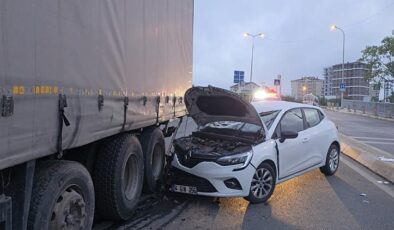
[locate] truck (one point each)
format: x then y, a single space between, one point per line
87 91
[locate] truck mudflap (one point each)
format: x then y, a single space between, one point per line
5 212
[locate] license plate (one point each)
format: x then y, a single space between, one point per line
184 189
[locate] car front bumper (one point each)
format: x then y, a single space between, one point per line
209 177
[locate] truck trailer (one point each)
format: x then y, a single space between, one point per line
86 88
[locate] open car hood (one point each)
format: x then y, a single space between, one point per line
210 104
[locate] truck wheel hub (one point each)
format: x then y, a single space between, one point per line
69 211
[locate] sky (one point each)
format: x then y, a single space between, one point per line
298 41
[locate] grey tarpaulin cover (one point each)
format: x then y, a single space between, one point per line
94 52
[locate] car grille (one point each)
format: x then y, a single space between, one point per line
189 162
184 178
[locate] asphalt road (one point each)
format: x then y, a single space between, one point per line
354 198
378 133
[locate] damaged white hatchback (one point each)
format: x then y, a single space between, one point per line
243 149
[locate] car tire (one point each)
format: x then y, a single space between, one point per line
118 177
263 184
332 161
153 147
61 186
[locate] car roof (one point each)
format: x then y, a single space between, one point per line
265 106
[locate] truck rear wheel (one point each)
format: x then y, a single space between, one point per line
62 197
118 177
152 142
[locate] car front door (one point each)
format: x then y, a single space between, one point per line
292 153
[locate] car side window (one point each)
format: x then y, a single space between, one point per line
292 121
312 117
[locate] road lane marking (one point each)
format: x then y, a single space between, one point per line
375 138
378 142
386 188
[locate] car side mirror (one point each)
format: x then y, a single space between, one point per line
287 135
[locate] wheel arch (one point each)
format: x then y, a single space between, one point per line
272 164
337 144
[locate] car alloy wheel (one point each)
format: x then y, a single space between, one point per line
334 159
262 183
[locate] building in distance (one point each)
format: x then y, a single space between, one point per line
357 88
306 85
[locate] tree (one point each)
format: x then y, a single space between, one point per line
380 60
322 101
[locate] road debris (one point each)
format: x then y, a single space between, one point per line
386 182
366 201
363 194
380 182
385 159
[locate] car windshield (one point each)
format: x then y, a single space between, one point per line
269 117
233 125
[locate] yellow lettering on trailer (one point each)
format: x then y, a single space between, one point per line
36 89
21 90
15 90
48 89
18 90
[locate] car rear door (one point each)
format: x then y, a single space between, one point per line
292 153
318 136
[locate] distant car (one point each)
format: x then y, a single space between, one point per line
310 99
243 149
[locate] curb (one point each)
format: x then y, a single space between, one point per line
360 114
368 156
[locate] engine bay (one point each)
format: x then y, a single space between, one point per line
208 146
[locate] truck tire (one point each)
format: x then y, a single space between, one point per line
153 147
62 197
118 177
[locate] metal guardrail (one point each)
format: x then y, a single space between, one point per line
373 108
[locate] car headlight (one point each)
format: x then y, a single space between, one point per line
241 159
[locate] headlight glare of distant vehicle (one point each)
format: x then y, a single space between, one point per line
241 159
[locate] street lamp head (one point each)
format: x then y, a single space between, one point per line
333 27
253 35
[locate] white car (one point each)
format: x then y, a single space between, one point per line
243 149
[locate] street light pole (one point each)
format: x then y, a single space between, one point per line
251 62
334 27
